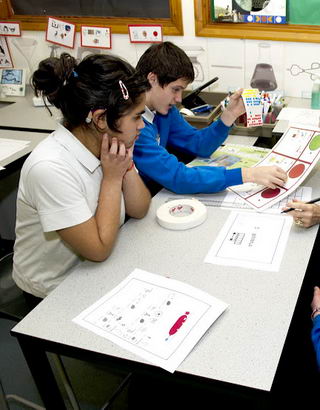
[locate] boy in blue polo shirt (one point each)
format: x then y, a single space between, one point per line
169 72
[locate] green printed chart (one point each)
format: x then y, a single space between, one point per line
232 156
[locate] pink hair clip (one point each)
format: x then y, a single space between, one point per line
124 90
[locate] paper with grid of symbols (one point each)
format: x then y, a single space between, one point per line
154 317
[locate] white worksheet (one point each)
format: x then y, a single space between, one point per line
9 147
251 240
297 152
154 317
300 115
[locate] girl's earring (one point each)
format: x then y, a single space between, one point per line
89 117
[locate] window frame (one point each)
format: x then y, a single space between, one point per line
172 26
205 27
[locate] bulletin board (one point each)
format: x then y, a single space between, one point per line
303 17
34 14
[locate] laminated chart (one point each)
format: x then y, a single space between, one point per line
297 152
232 156
154 317
230 200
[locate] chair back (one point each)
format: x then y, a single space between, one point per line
12 302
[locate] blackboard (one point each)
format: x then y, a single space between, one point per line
93 8
303 12
117 14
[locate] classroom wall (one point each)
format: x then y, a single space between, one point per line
232 60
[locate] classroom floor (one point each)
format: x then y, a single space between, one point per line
92 385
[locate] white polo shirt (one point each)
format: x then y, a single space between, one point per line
59 187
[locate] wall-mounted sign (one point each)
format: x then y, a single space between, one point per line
96 37
250 11
5 57
10 28
60 32
145 34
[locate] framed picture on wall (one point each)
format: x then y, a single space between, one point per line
10 28
60 32
5 56
250 11
95 36
145 33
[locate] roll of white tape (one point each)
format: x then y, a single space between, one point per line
181 214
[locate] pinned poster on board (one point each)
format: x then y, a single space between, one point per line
145 33
5 56
60 32
95 37
250 11
10 28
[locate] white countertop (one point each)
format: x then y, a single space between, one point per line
292 102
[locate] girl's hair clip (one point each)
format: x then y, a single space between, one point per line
124 90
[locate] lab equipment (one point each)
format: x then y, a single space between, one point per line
263 77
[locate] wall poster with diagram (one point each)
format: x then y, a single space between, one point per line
250 11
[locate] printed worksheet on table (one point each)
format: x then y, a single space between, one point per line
154 317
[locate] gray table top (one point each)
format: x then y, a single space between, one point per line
19 112
33 137
242 347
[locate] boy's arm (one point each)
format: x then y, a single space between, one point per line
154 162
200 142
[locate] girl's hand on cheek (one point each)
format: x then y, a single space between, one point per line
114 158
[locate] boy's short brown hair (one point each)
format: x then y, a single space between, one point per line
167 61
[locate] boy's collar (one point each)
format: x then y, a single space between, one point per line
148 115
